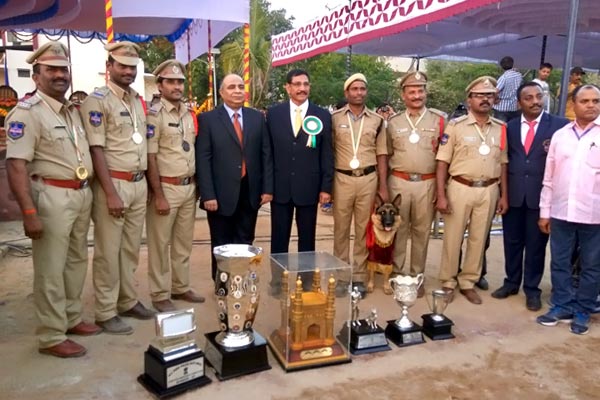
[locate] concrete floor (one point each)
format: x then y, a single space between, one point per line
499 351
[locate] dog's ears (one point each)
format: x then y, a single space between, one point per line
397 200
378 200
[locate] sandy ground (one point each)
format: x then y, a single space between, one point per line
499 351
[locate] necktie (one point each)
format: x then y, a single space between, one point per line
530 135
238 130
297 121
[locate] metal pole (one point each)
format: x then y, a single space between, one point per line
544 43
349 53
70 62
564 83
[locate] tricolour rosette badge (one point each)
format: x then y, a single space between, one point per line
312 126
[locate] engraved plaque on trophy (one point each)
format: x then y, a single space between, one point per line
405 332
436 325
173 362
236 349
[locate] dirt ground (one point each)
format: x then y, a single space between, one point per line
499 351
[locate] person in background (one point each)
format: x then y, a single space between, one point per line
575 80
506 107
542 80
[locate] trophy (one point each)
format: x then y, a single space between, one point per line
236 349
404 332
173 362
436 325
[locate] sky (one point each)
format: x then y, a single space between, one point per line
305 10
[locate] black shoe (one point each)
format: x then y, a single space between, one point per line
503 292
482 284
533 303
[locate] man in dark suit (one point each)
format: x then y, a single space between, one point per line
300 134
528 140
234 167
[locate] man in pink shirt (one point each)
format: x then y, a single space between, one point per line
570 210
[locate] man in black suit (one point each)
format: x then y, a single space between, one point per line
528 140
234 167
300 135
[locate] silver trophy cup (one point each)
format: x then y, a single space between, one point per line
405 293
236 288
438 301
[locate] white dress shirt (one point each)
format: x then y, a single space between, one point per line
525 127
303 107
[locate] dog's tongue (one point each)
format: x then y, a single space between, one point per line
387 228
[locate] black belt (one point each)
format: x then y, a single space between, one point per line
357 172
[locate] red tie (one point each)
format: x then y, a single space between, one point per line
530 135
238 130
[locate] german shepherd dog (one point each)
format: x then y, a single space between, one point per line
385 221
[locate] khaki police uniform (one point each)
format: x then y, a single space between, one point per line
472 192
354 190
41 131
412 174
111 116
168 130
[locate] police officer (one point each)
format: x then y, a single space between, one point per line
115 121
49 167
473 151
171 134
413 137
360 150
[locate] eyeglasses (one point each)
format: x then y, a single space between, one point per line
483 95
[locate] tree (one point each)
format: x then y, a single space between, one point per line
263 24
155 52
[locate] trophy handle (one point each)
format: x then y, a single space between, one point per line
420 279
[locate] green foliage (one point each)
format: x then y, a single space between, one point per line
155 52
448 80
328 73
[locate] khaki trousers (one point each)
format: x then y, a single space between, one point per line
417 212
116 247
60 259
169 266
473 208
353 197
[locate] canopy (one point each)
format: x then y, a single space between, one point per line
479 29
132 20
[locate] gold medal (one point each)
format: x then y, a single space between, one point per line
81 172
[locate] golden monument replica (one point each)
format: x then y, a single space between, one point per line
305 338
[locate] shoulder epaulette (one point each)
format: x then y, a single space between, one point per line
156 107
338 111
28 102
100 92
438 112
458 119
498 121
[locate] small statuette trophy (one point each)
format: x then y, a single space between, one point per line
173 362
236 349
436 325
404 332
365 335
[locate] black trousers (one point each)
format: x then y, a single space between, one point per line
524 249
238 228
282 215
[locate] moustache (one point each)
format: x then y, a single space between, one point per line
485 103
60 81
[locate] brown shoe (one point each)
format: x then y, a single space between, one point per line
138 312
450 293
66 349
471 295
84 329
164 305
188 296
421 291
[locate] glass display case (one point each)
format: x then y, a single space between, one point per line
311 328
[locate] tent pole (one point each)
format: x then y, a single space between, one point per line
70 61
564 83
544 43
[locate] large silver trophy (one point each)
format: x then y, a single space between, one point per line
404 332
237 349
436 325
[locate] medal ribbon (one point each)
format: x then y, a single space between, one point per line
414 127
355 143
481 135
69 128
